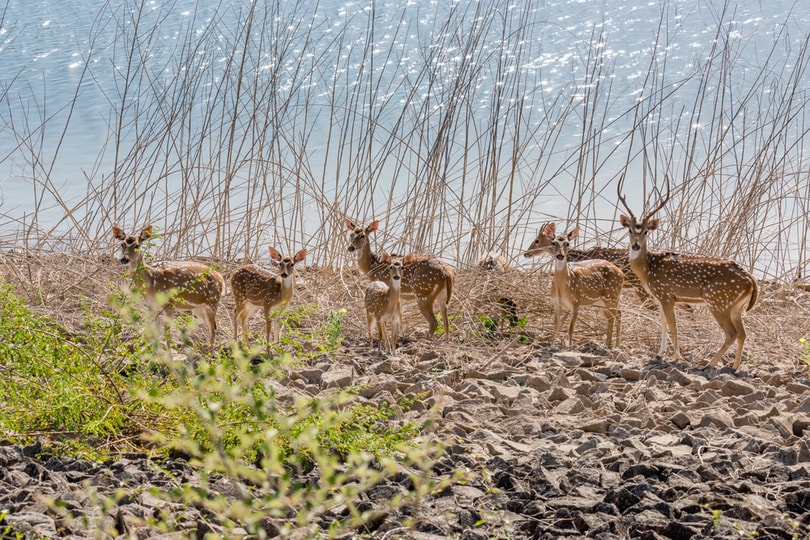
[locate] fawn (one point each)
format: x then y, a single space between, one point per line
179 285
723 285
594 282
426 279
255 288
382 302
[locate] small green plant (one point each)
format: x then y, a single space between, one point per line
333 331
450 319
804 358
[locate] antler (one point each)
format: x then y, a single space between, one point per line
621 197
662 203
646 214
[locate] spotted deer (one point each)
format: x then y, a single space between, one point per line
724 286
382 302
427 279
170 286
254 288
593 282
542 244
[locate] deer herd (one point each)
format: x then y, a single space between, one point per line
581 278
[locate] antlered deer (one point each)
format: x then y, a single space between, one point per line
187 286
724 286
255 288
593 282
427 279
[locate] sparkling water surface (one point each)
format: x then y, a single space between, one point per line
63 65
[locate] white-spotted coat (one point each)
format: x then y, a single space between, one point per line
383 304
723 285
594 282
255 288
186 286
426 280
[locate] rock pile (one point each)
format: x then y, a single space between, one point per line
550 445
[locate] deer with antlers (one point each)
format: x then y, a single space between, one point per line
593 282
427 279
723 285
255 288
178 285
382 302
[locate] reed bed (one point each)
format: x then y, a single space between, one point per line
299 123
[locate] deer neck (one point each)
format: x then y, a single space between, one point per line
393 293
640 264
366 260
142 271
287 286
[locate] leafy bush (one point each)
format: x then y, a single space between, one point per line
118 384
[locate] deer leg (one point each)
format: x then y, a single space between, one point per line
236 311
382 338
268 323
442 297
668 314
426 308
394 329
574 313
618 315
608 313
557 322
736 319
211 323
370 321
729 326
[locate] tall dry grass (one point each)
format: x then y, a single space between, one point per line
300 119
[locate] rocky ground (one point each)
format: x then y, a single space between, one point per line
553 442
556 445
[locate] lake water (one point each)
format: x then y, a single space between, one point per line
64 64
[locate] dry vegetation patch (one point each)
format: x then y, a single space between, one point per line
68 286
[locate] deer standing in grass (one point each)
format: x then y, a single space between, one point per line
426 280
169 286
723 285
382 302
593 282
255 288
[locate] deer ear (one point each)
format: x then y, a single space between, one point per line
275 255
652 224
549 230
300 255
407 260
349 224
146 233
373 226
118 233
385 257
625 221
573 234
